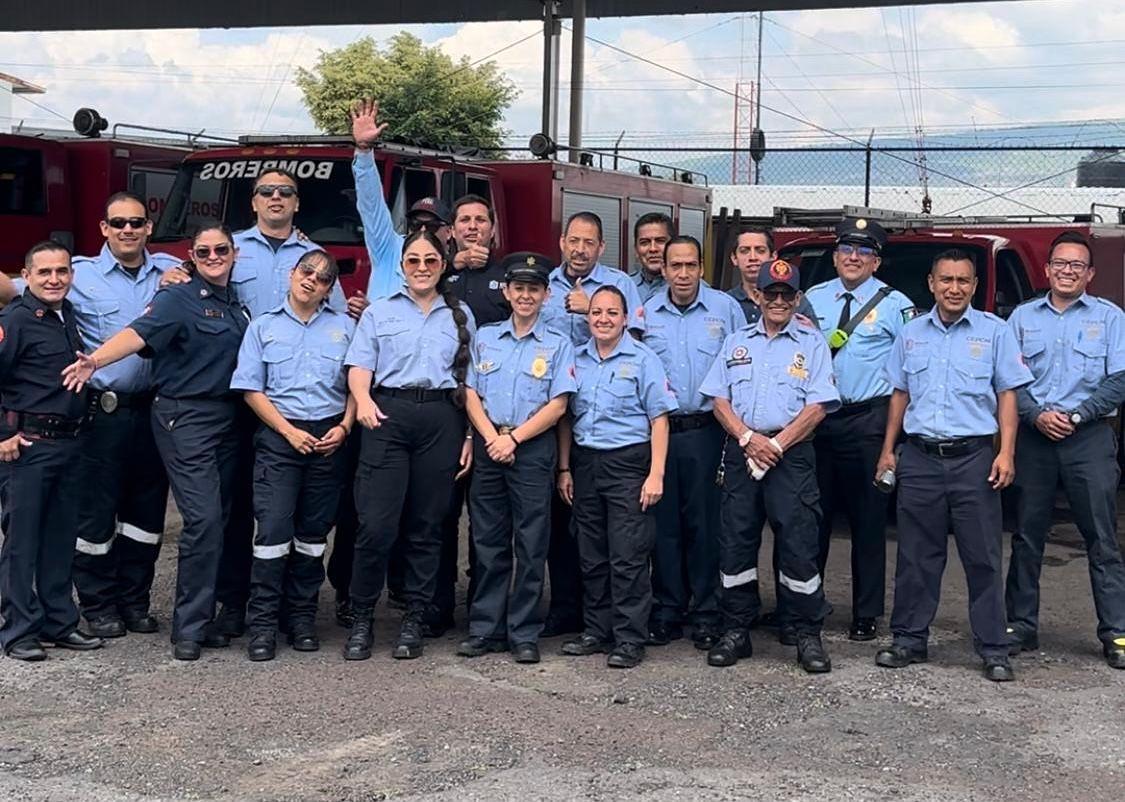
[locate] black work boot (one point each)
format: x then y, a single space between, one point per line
409 643
262 647
731 647
361 635
811 653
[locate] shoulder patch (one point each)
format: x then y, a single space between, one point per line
910 313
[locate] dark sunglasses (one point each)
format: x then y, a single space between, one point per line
433 226
132 222
789 296
284 190
204 251
322 278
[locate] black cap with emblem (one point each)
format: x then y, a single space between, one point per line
861 231
527 266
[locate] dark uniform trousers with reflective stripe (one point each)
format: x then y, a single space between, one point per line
510 507
847 451
123 497
786 497
198 442
615 540
405 477
935 494
295 500
343 541
38 496
233 588
1086 464
685 560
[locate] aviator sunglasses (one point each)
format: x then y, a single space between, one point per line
284 190
132 222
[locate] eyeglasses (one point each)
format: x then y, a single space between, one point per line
789 296
846 249
1073 265
416 261
322 278
284 190
132 222
204 251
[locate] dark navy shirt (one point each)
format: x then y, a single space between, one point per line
482 290
35 345
192 333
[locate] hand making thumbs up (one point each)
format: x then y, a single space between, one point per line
577 301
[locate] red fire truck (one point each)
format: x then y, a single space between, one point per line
531 198
54 188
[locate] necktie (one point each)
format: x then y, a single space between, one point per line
846 312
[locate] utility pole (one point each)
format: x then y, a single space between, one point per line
577 77
758 97
551 30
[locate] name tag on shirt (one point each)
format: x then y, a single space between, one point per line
212 312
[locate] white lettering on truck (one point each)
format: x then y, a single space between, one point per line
252 168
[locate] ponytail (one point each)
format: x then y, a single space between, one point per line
461 358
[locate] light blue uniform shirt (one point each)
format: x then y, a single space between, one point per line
1070 352
859 364
953 374
298 365
406 347
646 285
688 341
769 380
619 396
106 299
574 326
514 376
261 277
384 244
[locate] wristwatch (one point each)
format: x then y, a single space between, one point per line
744 438
1075 418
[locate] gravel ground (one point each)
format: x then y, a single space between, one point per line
129 723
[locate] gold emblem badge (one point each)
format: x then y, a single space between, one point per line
799 369
780 269
539 367
861 224
976 350
872 316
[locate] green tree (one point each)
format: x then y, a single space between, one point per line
426 97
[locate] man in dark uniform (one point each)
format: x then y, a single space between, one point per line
860 316
39 477
1074 345
954 372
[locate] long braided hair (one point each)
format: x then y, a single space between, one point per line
460 319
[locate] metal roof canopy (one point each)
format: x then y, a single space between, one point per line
100 15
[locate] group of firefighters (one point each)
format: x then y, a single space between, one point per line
631 434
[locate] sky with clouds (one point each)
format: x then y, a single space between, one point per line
944 67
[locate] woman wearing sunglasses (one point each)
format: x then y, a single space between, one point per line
192 332
408 362
620 430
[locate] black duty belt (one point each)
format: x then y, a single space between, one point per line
859 407
43 427
685 423
111 400
418 394
952 448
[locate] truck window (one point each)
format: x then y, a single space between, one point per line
1012 284
21 182
222 188
153 185
608 209
408 186
693 222
905 266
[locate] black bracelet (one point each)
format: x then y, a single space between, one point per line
562 470
512 435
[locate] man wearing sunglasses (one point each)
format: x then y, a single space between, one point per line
860 316
771 384
124 490
750 249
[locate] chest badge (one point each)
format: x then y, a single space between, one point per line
539 367
337 336
871 317
485 366
739 356
39 313
799 368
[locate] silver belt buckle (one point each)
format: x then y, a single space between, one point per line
108 401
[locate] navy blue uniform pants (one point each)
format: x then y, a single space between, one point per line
563 567
124 494
405 475
510 507
295 500
935 494
615 539
787 497
343 542
847 451
1086 464
685 560
38 495
198 443
233 589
